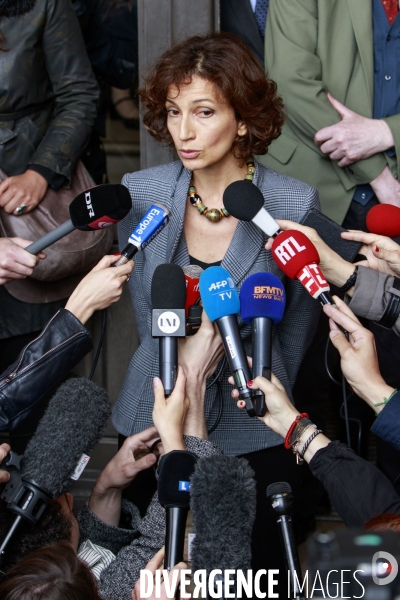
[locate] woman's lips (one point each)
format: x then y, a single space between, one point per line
189 153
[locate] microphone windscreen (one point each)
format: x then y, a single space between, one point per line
174 479
71 426
262 295
292 251
280 487
218 293
243 200
384 219
168 287
100 206
223 505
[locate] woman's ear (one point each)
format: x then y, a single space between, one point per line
242 129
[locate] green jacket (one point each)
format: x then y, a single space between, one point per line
313 47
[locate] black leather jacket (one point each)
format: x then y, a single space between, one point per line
40 368
48 93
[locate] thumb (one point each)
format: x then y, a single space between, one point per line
339 107
338 338
145 462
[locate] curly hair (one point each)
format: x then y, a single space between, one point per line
51 573
230 66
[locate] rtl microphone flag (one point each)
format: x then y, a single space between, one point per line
221 302
96 208
298 258
262 305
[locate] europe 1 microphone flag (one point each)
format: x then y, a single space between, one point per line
151 224
298 258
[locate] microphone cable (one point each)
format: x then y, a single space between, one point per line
344 412
100 344
219 398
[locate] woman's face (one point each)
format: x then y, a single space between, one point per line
202 125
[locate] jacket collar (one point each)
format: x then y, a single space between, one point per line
361 17
246 243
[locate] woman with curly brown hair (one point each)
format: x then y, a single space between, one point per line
209 98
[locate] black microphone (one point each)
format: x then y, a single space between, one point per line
175 471
244 201
168 296
96 208
73 423
221 302
262 305
223 506
282 502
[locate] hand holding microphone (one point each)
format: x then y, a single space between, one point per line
169 413
15 262
100 288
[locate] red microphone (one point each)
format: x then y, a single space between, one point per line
384 219
298 258
192 304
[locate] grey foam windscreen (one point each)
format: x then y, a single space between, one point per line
223 505
73 423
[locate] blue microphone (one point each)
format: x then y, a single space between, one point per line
151 224
220 300
263 301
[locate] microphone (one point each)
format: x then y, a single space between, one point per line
193 307
96 208
384 219
298 258
73 423
282 501
154 221
244 201
168 296
223 506
175 472
262 304
221 302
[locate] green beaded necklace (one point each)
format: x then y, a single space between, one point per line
215 214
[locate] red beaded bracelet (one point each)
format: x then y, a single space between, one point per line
291 429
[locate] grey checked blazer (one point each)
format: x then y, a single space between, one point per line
285 198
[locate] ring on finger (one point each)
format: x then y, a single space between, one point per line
20 209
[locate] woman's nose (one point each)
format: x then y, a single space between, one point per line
186 130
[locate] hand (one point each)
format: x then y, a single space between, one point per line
102 286
133 456
4 450
281 413
354 137
16 263
386 188
382 253
359 361
153 565
28 189
334 267
199 356
169 413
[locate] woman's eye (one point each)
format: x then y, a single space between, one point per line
172 112
206 112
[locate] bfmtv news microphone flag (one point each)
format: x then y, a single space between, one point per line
151 224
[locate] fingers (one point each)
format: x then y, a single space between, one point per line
4 450
109 260
338 106
370 238
342 315
156 561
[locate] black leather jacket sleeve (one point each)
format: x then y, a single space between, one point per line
41 367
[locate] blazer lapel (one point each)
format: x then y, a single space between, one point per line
178 207
361 17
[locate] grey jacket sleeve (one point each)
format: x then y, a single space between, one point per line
74 87
371 294
117 580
